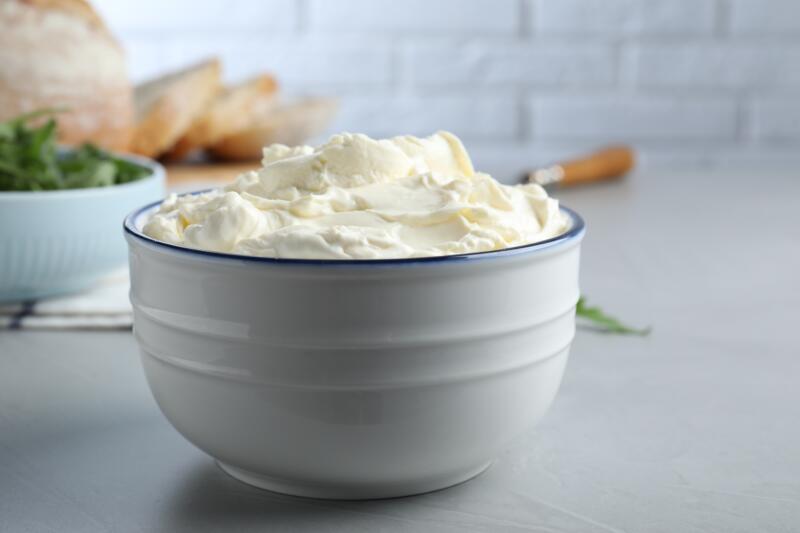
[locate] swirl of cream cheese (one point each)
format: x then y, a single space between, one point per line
359 198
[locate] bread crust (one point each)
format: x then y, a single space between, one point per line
181 98
77 8
59 54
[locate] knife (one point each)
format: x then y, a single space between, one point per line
609 163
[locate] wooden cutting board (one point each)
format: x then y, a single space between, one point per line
183 174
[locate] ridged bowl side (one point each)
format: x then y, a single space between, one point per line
55 242
50 265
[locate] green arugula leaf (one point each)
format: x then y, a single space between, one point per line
30 159
605 322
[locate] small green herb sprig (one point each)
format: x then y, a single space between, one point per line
598 318
30 159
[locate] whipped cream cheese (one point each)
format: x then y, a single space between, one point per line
359 198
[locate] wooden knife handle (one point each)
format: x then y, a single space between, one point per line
605 164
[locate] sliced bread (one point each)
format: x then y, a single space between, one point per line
289 123
229 113
167 106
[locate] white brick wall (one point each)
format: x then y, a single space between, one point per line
777 120
547 65
414 16
625 17
760 17
489 116
634 118
710 82
719 65
184 15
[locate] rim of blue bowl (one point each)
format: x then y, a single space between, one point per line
576 231
157 172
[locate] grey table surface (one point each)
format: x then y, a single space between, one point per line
694 428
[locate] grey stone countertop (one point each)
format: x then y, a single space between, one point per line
694 428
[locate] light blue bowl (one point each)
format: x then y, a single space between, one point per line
56 242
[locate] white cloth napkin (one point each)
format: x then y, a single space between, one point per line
104 306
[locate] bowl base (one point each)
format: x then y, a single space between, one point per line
359 492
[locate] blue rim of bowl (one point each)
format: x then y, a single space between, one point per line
576 231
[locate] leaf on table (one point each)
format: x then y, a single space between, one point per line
605 322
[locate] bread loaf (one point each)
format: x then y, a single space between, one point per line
59 54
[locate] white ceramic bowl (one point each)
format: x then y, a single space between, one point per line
55 242
353 379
